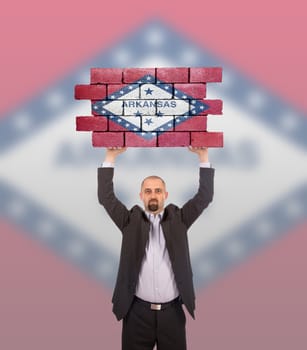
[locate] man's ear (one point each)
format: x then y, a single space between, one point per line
166 195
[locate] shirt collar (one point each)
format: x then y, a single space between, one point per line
160 215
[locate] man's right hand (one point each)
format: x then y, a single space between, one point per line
112 153
202 153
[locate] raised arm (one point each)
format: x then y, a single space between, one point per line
194 207
114 207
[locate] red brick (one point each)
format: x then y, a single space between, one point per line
205 74
207 139
106 75
90 92
134 139
131 75
108 139
198 123
111 88
113 126
173 75
174 139
215 107
91 123
193 90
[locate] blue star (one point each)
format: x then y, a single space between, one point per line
148 121
138 113
149 91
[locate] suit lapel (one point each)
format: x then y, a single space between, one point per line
145 227
166 227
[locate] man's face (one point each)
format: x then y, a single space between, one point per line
153 194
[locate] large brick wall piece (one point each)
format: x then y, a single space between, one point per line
150 107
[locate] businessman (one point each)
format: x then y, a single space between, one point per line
154 277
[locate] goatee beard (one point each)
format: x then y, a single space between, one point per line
153 206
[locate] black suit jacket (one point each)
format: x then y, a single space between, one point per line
134 226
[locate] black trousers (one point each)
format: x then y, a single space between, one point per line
144 328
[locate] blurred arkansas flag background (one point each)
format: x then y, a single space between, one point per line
59 250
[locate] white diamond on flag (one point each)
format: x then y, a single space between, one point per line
154 105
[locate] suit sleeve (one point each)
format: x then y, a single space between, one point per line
192 209
106 196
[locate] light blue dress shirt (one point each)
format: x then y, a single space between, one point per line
156 282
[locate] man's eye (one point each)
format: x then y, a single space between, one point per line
147 191
158 190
